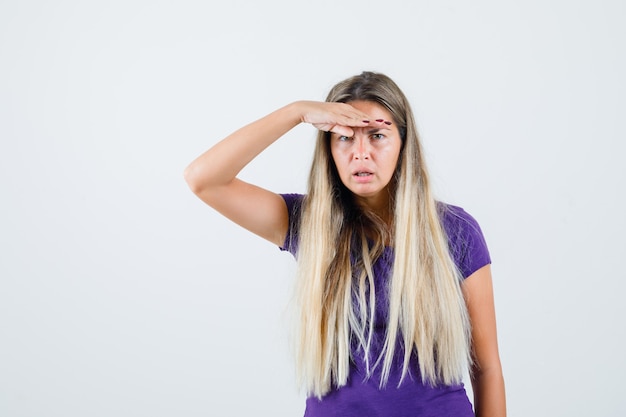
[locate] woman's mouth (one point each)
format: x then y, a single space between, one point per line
362 177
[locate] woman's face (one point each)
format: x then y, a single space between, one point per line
367 161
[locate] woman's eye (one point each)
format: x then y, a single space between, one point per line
343 138
378 136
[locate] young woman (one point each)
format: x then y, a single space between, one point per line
394 291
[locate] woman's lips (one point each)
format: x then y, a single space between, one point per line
362 176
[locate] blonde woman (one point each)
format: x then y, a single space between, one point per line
394 293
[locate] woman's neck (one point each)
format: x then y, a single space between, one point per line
381 207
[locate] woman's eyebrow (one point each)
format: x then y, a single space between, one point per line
376 130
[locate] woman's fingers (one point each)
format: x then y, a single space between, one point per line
325 116
339 118
338 129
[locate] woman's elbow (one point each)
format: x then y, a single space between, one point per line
193 179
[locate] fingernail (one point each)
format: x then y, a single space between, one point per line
366 121
387 123
379 120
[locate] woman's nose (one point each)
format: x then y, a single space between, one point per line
362 148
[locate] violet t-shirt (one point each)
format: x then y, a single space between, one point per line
361 396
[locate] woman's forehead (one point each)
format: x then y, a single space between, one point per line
371 107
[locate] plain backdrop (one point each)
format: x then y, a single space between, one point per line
121 294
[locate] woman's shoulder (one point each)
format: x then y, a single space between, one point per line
292 200
456 217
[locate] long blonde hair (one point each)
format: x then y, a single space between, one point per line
335 295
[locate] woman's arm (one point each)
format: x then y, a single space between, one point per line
212 176
487 379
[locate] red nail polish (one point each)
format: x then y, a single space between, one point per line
366 121
379 120
387 123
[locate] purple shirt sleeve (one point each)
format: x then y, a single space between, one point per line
294 203
465 239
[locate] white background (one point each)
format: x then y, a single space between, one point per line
121 294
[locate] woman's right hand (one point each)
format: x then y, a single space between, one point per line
338 118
